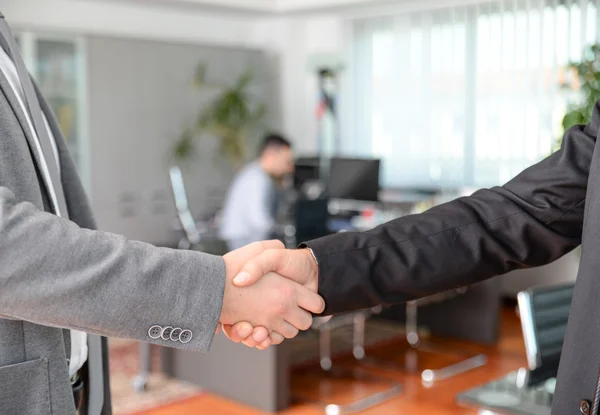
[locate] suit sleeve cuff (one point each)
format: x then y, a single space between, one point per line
326 285
199 287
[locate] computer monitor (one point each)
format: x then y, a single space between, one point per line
354 179
306 169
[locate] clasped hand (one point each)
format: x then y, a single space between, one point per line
270 293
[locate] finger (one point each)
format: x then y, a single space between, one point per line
227 331
287 330
238 332
257 248
264 345
251 251
276 338
300 319
260 334
218 329
250 342
269 261
310 301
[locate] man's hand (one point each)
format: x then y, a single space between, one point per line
267 301
297 265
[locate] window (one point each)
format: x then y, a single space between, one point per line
465 96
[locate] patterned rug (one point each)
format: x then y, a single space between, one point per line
161 390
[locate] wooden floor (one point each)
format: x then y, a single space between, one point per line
416 398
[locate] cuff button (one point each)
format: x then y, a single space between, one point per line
185 336
166 333
175 334
155 332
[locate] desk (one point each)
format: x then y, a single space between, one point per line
255 378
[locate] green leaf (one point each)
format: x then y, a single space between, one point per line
575 117
587 77
232 116
184 149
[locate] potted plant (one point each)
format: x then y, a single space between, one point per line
233 117
584 78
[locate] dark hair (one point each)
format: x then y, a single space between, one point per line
274 141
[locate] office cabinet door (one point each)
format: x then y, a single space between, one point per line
58 65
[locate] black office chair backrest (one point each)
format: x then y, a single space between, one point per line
181 203
311 218
544 312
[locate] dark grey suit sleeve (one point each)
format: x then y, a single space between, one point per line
54 273
530 221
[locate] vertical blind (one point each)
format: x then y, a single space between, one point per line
465 96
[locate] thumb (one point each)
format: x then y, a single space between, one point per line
270 260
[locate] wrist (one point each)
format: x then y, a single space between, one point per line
314 265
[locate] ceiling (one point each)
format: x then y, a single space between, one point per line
263 6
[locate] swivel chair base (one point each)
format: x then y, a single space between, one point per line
391 388
411 364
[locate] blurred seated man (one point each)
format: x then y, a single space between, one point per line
251 205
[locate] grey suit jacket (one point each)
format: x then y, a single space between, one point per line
58 274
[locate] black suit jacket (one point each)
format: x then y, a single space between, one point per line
530 221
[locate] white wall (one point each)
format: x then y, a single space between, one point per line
295 39
137 20
298 40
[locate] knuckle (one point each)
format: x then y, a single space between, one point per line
286 291
281 307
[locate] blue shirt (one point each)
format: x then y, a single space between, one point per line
250 206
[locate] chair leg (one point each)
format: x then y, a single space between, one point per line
431 375
325 349
358 345
140 382
412 327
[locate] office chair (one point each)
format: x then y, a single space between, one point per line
310 219
544 312
411 364
197 236
190 229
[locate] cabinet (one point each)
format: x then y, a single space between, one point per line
58 63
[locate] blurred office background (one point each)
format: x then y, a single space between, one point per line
449 95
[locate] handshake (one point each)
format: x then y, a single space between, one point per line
270 293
